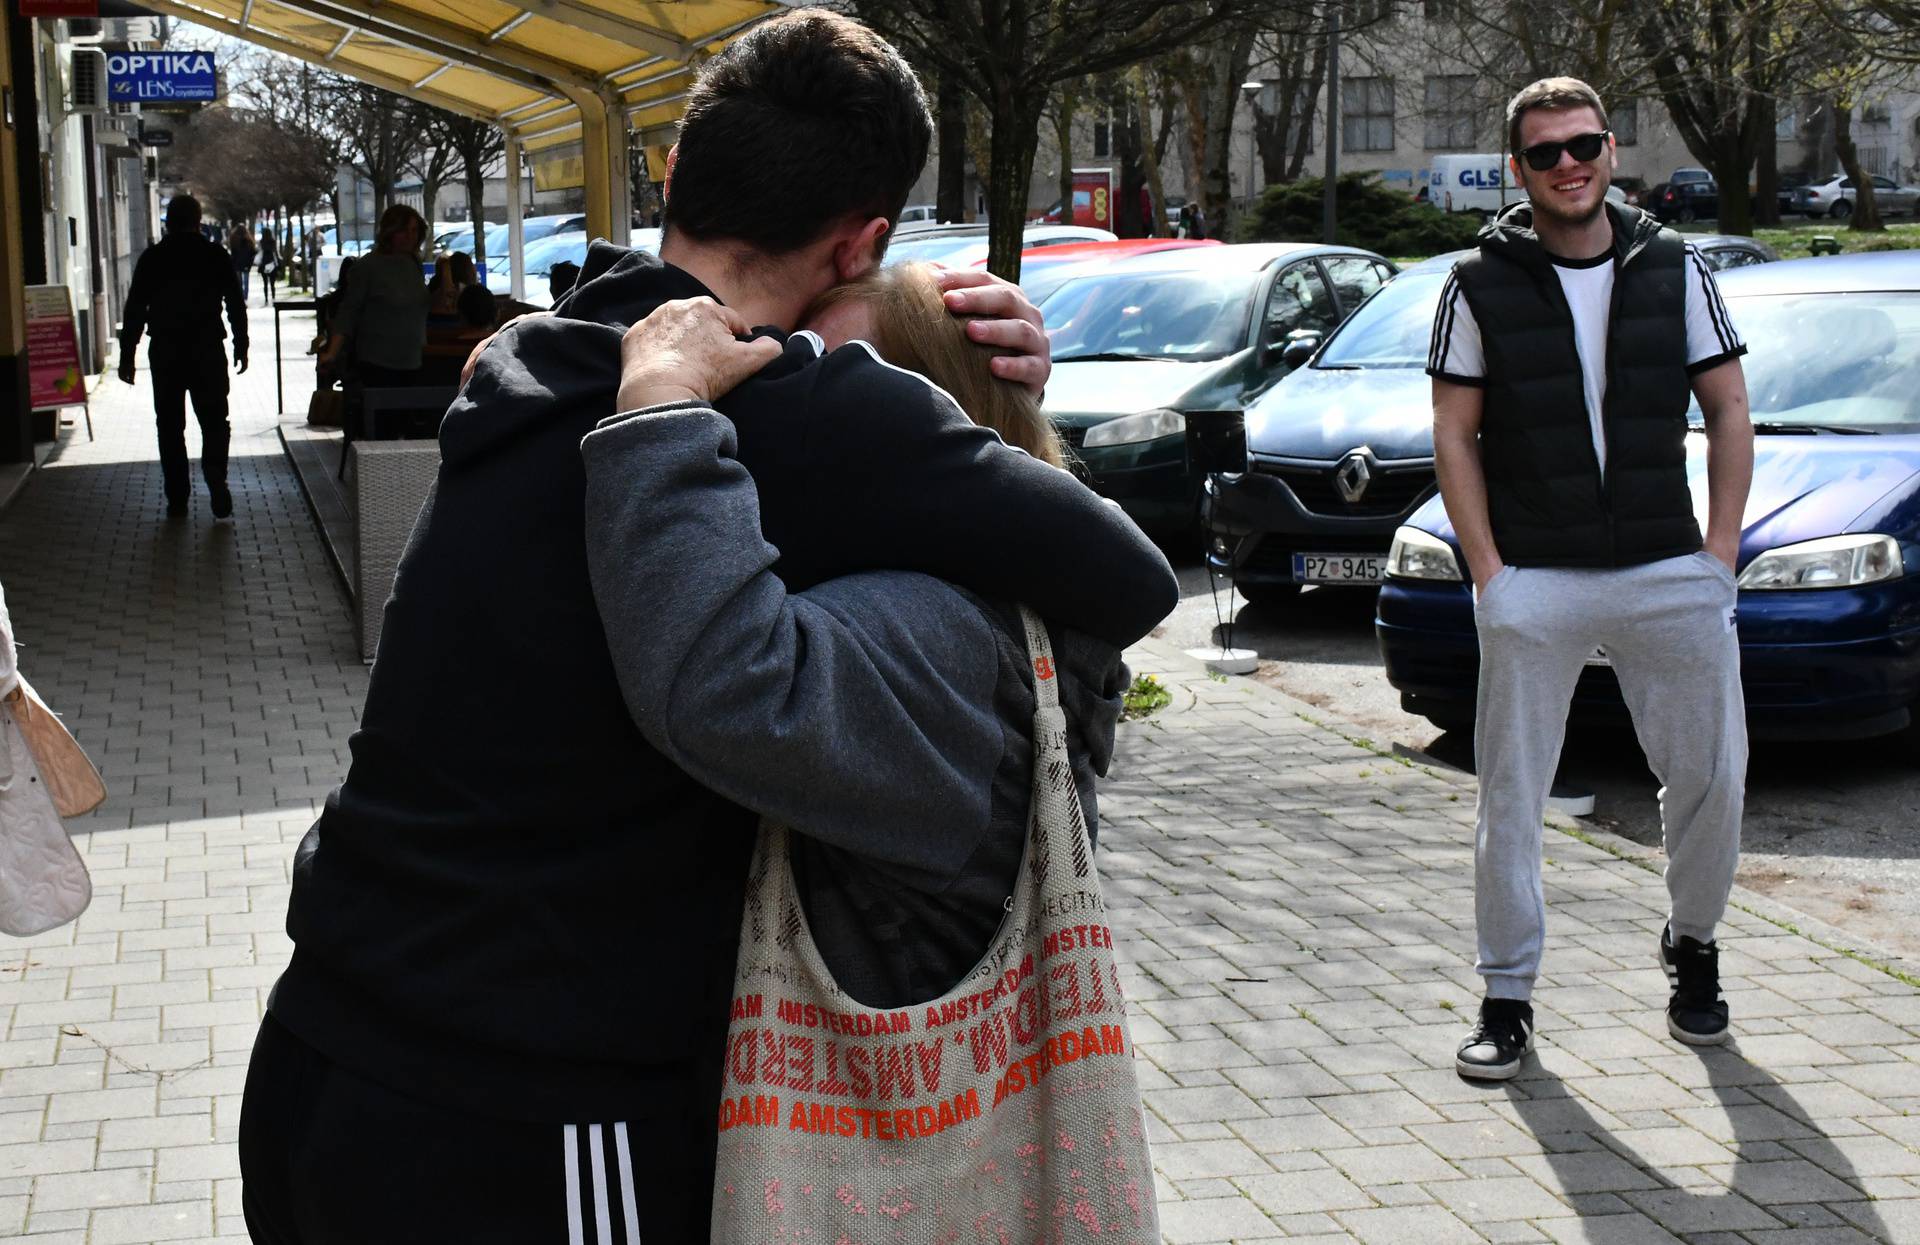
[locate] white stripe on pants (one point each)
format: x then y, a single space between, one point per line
583 1202
1668 628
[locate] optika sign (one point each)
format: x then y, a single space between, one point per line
135 77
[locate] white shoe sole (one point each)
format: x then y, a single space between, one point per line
1698 1039
1679 1034
1494 1072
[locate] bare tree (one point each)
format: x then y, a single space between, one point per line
1294 68
478 146
1009 54
377 132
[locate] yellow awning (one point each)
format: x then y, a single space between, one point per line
548 72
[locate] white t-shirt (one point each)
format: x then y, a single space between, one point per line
1456 355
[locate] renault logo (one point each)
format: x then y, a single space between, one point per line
1352 477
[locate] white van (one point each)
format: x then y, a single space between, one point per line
1471 183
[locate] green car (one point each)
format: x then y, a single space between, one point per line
1140 342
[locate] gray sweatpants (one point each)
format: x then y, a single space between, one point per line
1668 628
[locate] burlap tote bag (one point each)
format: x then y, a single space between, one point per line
1004 1111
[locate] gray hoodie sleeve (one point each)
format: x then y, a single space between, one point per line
860 712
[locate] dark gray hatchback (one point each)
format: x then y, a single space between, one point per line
1338 454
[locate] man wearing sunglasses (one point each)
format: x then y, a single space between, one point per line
1563 355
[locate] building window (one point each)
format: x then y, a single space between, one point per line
1366 114
1451 112
1368 12
1102 139
1442 10
1876 114
1625 122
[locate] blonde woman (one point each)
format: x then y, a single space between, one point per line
900 313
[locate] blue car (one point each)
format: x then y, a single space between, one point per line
1829 563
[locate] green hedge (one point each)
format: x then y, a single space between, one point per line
1369 214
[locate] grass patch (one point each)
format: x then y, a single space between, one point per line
1147 695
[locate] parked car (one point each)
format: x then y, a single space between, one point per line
960 245
1829 559
1045 269
1689 195
917 212
1834 197
1728 250
1338 456
1140 342
1785 187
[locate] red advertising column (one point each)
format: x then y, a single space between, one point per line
1093 197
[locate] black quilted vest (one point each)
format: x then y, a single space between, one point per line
1546 497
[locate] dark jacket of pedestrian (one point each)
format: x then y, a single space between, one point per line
179 285
240 246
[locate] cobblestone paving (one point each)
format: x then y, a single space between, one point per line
1297 910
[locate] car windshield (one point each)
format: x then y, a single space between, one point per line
1151 315
1392 329
1849 361
544 254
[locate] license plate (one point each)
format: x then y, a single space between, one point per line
1339 568
1598 657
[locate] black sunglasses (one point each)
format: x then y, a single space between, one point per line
1583 147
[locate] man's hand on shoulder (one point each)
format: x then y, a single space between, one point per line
688 350
1002 316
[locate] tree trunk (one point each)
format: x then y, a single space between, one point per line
1156 205
1766 170
1065 106
1309 106
1730 173
477 211
1016 135
1866 211
1227 69
950 182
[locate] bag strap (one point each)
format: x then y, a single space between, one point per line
1046 683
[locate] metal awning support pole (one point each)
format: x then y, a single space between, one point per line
516 261
619 170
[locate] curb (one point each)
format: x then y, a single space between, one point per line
1894 964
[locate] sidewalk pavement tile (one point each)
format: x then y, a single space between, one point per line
1294 908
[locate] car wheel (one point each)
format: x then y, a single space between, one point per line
1269 596
1841 210
1685 216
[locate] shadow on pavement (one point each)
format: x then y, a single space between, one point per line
1771 1183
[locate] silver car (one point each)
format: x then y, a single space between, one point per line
1834 197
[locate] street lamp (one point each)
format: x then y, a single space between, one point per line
1251 89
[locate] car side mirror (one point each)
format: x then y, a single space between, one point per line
1298 348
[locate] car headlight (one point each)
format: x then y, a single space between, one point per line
1421 555
1130 429
1830 562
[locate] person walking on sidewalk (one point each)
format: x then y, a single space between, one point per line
1563 354
179 286
240 247
269 264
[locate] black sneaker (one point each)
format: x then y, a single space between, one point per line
222 500
1499 1041
1696 1014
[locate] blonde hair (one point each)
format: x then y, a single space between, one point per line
1554 93
912 328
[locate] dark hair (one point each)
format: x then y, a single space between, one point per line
394 222
562 277
1553 94
475 305
801 122
183 214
